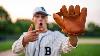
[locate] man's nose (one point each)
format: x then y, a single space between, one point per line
40 19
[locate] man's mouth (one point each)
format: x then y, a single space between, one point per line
40 24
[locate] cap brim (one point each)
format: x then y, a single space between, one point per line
43 13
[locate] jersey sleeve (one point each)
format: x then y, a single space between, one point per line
65 44
17 46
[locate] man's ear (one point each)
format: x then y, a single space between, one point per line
47 20
33 19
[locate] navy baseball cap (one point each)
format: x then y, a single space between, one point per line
40 10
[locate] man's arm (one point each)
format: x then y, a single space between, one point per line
17 46
23 41
67 43
73 40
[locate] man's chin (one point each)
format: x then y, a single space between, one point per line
41 29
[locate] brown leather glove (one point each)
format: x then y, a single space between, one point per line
71 20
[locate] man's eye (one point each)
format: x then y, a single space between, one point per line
43 16
37 16
40 16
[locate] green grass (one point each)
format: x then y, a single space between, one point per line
85 50
5 45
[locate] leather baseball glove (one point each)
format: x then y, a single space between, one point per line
72 20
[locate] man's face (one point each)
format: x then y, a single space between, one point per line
40 21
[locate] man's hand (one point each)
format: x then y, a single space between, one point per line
71 20
30 36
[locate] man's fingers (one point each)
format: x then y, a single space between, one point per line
37 30
30 28
58 20
71 10
34 38
77 10
33 32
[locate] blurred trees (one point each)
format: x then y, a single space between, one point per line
53 27
92 30
5 21
4 16
7 27
91 27
22 25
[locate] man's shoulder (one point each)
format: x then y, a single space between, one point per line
56 33
59 36
53 31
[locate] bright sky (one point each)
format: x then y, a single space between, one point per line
24 8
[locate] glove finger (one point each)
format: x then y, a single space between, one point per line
63 10
71 10
77 10
59 13
83 15
84 12
58 20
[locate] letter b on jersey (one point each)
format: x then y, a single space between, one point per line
47 50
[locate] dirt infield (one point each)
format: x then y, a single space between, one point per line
7 53
89 41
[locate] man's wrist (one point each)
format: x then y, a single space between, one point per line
24 42
70 35
72 39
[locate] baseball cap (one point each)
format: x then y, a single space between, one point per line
40 10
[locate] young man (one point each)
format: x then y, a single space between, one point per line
43 42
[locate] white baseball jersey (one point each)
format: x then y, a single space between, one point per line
50 43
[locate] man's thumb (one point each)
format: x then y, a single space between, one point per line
30 28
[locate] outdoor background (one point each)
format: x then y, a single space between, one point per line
16 15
